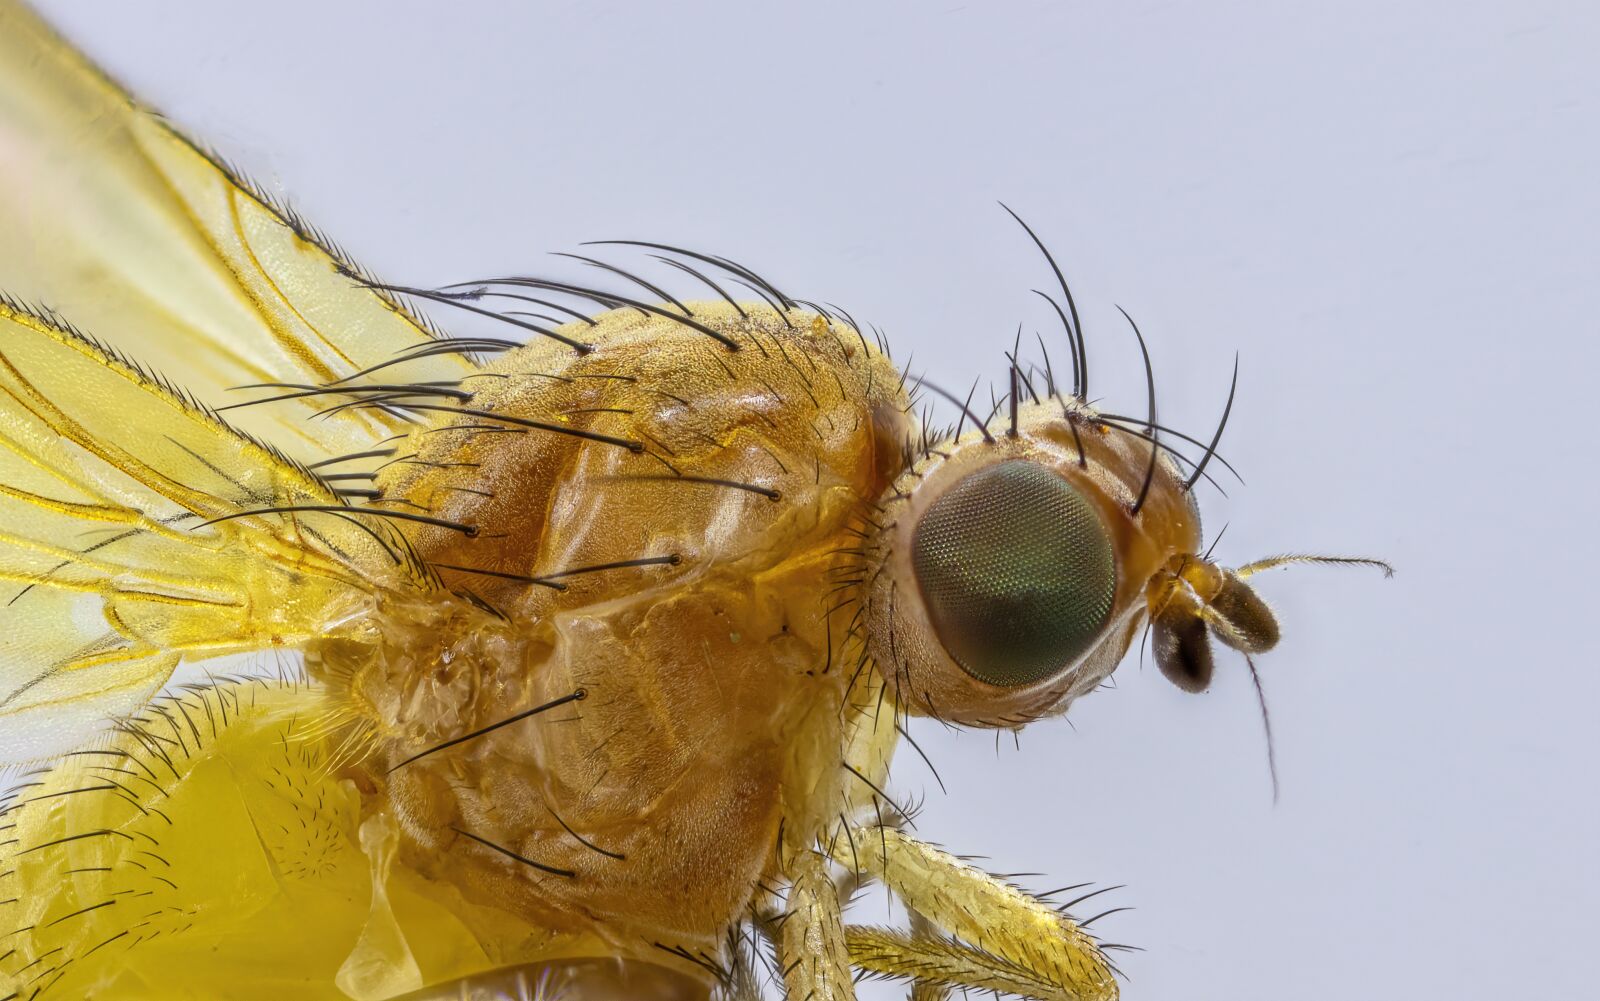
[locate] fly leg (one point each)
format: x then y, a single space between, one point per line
927 990
1004 940
811 942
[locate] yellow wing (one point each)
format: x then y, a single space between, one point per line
114 220
113 565
127 540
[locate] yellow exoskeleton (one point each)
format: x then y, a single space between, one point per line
602 643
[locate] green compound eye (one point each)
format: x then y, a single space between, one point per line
1017 572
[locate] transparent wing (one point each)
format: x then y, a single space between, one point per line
114 564
114 220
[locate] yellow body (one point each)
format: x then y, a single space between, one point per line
717 703
606 639
714 707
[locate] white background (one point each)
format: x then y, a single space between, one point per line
1389 210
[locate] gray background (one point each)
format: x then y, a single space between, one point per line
1388 209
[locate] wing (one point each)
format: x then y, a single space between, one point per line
138 528
114 565
114 220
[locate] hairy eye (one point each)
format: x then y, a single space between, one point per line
1017 572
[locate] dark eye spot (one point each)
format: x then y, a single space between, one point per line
1017 572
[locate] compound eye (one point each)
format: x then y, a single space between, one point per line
1017 572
